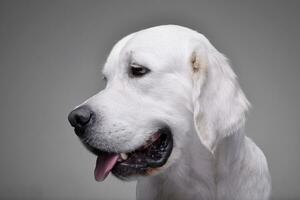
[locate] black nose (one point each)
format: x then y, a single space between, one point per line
80 117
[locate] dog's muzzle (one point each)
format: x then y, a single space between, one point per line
151 155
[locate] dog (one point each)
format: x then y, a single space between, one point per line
172 117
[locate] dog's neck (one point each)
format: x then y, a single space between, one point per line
196 173
190 177
230 152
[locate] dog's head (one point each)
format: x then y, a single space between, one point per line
162 84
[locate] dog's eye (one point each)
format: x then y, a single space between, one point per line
138 70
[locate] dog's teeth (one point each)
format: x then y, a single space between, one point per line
124 156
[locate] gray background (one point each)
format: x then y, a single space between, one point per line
50 58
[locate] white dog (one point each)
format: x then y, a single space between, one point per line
172 115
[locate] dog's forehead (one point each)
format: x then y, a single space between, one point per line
163 41
160 39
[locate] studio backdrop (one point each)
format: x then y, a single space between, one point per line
51 54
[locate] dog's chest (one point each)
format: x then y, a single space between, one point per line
167 190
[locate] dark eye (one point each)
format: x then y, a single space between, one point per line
138 70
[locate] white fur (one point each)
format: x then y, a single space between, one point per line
192 89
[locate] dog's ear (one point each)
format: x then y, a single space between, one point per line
219 103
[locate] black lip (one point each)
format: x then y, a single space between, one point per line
141 162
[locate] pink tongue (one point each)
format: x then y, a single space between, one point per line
104 164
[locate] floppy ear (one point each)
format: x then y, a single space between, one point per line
219 103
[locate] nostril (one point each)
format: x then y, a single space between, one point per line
80 116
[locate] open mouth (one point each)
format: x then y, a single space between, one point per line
154 153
